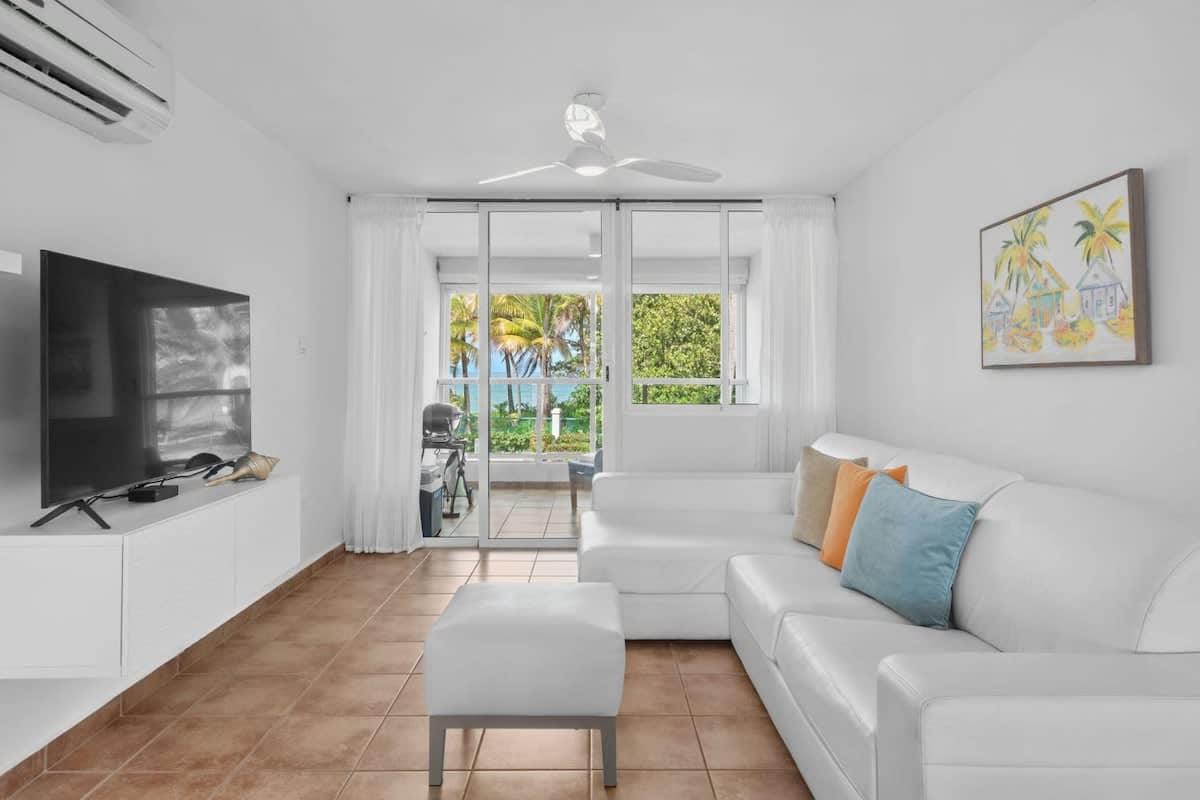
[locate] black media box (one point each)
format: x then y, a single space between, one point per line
152 494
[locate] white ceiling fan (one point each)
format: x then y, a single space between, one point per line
590 157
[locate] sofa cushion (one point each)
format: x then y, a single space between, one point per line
812 494
852 483
763 589
677 552
952 478
1054 569
830 665
905 548
840 445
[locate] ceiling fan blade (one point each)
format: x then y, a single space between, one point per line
672 170
521 173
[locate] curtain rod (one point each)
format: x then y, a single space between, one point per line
617 200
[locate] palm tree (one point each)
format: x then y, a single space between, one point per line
1018 255
575 315
464 330
535 326
1100 233
511 352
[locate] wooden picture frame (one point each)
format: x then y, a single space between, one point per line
1065 282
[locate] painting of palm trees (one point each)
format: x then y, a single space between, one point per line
1060 281
1018 257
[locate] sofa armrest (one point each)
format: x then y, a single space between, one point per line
693 491
1038 726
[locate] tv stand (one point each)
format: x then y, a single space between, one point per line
81 505
80 602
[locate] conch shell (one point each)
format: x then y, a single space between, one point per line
252 466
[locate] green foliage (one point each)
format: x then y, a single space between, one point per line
521 440
677 395
568 442
578 403
512 441
546 335
677 336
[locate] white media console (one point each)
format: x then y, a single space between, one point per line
77 601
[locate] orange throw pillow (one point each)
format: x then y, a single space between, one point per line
848 493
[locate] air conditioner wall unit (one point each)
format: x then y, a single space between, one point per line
82 62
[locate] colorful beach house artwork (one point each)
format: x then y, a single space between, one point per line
999 313
1045 297
1064 283
1101 292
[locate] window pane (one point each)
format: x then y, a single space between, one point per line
514 417
676 335
675 394
450 240
675 315
464 336
466 397
746 301
542 336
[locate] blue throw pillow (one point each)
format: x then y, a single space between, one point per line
904 550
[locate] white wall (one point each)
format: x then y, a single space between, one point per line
701 441
1114 87
214 202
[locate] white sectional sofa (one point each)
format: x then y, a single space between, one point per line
1073 669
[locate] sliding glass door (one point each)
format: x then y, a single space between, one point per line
517 299
453 343
545 369
529 302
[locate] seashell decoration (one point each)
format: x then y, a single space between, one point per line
252 466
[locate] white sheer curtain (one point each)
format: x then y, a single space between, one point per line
799 356
384 395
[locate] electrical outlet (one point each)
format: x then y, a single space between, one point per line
10 262
301 346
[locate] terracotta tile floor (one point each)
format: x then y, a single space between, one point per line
322 697
535 513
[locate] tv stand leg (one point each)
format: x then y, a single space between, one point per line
79 505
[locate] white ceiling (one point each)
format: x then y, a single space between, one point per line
429 97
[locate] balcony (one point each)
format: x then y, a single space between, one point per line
525 513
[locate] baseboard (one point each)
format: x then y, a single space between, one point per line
30 768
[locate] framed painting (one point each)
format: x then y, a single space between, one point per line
1064 283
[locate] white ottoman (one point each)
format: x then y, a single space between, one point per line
526 655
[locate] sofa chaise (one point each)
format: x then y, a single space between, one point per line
1072 669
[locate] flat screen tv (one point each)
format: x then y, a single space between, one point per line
139 374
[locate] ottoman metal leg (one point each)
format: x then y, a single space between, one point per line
437 750
438 725
608 750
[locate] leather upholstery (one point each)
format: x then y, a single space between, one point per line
769 492
763 589
1042 726
553 650
952 478
840 445
677 552
830 666
675 616
874 707
1054 569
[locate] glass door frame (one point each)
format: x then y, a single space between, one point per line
609 407
607 211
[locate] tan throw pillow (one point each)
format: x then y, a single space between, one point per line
812 496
